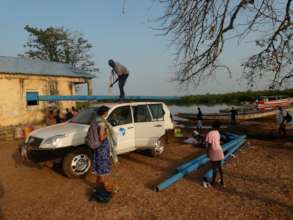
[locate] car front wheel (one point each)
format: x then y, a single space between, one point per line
77 163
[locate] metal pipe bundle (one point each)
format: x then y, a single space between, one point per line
193 165
207 177
235 139
168 182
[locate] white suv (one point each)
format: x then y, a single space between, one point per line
138 125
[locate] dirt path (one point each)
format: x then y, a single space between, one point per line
259 185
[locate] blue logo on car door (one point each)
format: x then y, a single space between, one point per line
122 131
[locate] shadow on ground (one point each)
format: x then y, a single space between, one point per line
19 161
254 196
2 192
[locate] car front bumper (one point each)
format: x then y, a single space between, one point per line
36 155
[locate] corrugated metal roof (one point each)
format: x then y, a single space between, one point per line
28 66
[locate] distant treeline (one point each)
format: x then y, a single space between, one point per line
233 98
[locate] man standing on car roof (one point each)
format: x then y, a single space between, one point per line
122 75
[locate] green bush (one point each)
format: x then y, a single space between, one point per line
231 98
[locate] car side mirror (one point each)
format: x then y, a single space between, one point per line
113 122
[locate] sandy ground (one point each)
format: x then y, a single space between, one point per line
259 185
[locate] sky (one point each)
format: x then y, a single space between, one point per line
127 38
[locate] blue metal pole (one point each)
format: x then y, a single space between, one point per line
189 163
232 135
105 98
207 177
168 182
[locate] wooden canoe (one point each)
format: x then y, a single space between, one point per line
226 116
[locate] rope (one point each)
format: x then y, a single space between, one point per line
111 80
123 6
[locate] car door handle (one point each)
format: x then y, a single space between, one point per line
130 127
158 126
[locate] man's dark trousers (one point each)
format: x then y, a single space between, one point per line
122 80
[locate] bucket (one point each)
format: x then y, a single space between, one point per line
178 133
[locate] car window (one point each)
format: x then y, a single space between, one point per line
120 116
157 111
84 117
142 114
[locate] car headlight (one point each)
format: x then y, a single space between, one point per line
52 142
26 140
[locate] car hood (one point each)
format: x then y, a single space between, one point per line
59 129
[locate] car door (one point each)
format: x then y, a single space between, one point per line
147 130
121 120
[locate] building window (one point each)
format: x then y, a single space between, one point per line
32 98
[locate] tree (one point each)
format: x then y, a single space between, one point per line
200 29
59 45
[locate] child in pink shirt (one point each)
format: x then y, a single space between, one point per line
215 151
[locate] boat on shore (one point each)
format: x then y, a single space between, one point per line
242 116
272 102
241 109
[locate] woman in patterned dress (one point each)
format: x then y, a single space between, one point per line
102 161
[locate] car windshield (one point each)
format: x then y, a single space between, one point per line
83 117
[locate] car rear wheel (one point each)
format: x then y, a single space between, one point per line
158 149
77 163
